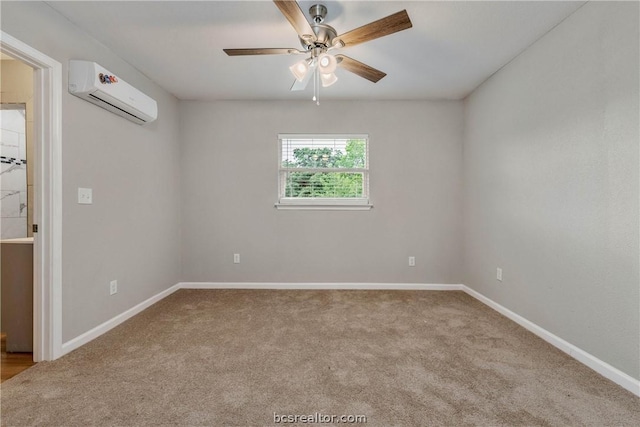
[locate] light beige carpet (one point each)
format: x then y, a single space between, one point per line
236 357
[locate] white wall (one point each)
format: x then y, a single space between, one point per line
131 232
229 187
551 184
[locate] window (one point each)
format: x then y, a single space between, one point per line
323 172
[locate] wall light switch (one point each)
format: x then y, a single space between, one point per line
412 261
499 274
85 196
236 258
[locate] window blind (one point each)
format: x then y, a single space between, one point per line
331 169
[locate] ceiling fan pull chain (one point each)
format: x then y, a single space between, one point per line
315 87
318 85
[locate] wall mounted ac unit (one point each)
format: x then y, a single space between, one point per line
93 83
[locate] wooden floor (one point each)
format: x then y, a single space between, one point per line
13 363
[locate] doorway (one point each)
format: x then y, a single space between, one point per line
16 255
47 197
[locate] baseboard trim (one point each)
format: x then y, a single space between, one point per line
320 286
614 374
94 333
617 376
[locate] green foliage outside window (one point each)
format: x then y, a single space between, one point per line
327 184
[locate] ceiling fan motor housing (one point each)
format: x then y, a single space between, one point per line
324 35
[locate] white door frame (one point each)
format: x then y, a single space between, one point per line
47 254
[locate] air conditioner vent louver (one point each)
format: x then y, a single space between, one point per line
125 112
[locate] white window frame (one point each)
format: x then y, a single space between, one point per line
323 203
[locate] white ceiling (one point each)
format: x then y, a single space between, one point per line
451 49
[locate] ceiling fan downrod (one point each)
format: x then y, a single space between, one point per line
318 12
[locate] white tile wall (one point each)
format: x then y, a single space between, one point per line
13 175
12 228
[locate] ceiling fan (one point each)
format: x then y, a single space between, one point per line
318 39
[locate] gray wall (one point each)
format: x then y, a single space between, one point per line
229 187
551 184
131 232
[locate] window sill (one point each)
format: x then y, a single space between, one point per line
323 207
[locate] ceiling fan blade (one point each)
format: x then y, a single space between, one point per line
383 27
291 10
260 51
357 67
302 85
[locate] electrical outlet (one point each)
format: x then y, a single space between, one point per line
412 261
236 258
499 274
113 287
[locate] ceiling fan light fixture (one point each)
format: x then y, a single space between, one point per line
300 69
328 79
318 39
327 63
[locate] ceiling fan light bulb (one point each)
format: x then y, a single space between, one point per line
327 63
328 79
299 70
